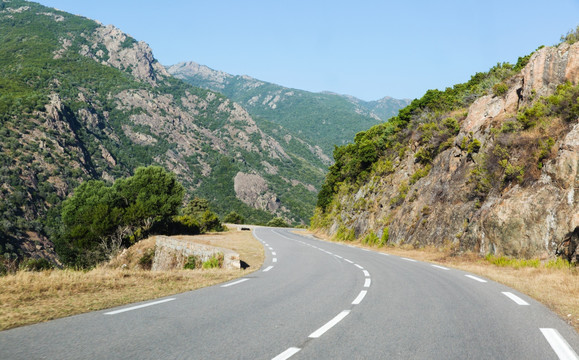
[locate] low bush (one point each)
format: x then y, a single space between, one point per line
146 261
277 222
36 265
193 262
214 262
371 239
500 89
384 238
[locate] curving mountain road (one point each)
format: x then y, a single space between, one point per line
314 300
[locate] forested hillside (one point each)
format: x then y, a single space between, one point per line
321 119
80 101
490 165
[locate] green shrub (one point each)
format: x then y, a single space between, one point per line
185 225
402 192
419 174
214 262
571 37
558 263
384 238
452 125
277 222
233 218
482 180
500 89
210 222
512 172
544 150
36 264
345 234
473 146
424 156
371 239
146 261
511 127
193 262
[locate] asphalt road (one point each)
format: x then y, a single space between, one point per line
314 300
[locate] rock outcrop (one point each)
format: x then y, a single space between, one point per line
253 190
537 217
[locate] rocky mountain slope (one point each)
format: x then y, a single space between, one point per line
490 166
323 119
79 100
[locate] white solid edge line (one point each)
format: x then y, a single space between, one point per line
329 324
359 266
138 306
234 283
515 298
366 273
287 354
407 259
274 260
475 278
360 297
559 344
350 261
367 282
364 249
384 254
440 267
267 268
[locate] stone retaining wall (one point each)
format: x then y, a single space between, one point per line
172 254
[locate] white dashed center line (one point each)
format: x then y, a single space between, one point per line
330 324
358 266
476 278
440 267
274 260
367 282
515 298
350 261
267 268
559 344
138 306
234 283
287 354
366 273
360 297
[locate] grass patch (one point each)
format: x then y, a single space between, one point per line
32 297
514 263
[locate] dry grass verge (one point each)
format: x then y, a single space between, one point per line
556 288
32 297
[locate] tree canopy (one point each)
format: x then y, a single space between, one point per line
97 219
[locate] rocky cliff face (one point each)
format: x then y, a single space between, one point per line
536 214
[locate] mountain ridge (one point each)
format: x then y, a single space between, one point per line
326 118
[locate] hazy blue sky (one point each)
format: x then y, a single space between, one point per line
368 49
